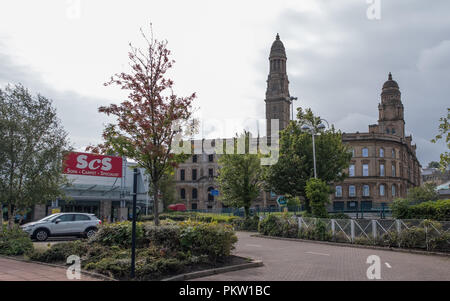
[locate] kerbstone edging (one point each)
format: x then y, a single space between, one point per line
92 274
341 244
198 274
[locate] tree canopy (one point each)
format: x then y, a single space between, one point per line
295 164
239 177
146 121
31 150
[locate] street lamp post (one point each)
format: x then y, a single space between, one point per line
310 128
291 99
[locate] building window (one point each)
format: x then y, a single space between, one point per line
381 170
183 193
210 196
194 175
381 152
211 158
382 190
366 190
182 174
351 170
393 131
211 172
393 169
393 191
365 170
194 206
338 191
194 158
194 193
393 153
353 152
365 152
351 190
338 206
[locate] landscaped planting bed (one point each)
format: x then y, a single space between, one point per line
161 251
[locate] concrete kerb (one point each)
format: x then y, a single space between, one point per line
198 274
92 274
339 244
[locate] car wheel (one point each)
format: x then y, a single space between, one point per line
90 232
41 235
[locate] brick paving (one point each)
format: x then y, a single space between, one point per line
14 270
304 261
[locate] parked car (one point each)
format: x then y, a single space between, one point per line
63 224
177 207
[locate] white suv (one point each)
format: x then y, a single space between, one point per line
63 224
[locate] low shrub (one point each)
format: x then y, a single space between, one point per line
165 236
246 224
14 242
318 231
434 210
213 239
118 234
279 225
59 252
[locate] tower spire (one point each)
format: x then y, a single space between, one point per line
277 93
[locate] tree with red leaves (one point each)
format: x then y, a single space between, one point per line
146 120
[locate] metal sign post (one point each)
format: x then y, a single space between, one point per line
133 227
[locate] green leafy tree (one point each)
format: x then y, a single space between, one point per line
149 121
167 189
444 133
295 164
31 151
424 193
239 177
318 194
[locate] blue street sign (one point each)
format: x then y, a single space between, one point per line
214 192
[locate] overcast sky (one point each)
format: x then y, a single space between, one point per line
338 58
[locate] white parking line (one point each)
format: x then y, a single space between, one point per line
388 265
315 253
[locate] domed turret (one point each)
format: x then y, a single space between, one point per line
390 83
277 49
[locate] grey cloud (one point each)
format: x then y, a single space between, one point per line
78 113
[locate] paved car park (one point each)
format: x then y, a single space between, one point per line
14 270
304 261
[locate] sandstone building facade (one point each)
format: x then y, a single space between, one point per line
384 163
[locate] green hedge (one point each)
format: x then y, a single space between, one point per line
434 210
197 216
14 241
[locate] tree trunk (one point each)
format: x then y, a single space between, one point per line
247 211
11 216
155 203
1 216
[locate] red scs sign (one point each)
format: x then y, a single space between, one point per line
92 165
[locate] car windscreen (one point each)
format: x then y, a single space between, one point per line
50 217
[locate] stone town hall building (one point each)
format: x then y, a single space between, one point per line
383 167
